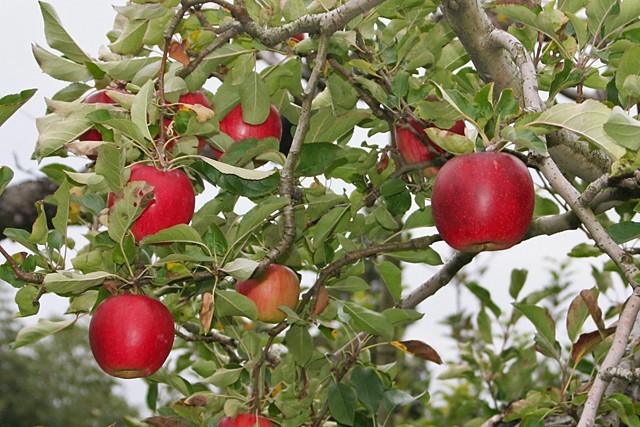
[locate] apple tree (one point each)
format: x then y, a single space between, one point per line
233 148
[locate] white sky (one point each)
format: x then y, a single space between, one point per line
88 22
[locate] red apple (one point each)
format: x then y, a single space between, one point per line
173 202
131 335
245 420
483 201
233 125
412 148
298 37
278 285
322 300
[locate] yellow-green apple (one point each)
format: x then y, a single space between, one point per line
277 286
131 335
173 200
245 420
483 201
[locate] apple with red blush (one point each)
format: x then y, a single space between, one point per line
245 420
276 286
322 300
233 125
173 200
131 335
483 201
194 98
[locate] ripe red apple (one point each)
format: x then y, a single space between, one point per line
298 37
173 202
412 148
233 125
278 285
483 201
245 420
131 335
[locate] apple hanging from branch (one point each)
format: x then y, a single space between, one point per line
277 286
173 200
245 420
483 201
191 99
233 125
131 335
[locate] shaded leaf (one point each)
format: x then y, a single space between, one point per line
342 403
42 329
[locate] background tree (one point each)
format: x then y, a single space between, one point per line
54 382
382 66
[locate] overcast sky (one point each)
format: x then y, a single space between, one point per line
87 22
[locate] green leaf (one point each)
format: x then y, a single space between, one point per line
110 164
623 129
244 182
350 284
369 387
396 196
131 39
518 278
484 296
240 268
255 100
342 403
587 120
224 377
257 215
369 321
62 198
55 131
59 68
624 231
6 175
424 256
126 69
67 283
449 141
39 229
214 239
625 408
9 104
231 303
316 158
327 224
577 314
402 316
326 127
419 218
140 109
42 329
392 276
300 344
58 38
124 125
26 300
127 207
544 324
182 233
484 326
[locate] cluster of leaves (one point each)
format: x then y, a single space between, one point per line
402 60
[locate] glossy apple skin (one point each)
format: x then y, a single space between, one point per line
277 286
233 125
173 202
245 420
412 148
131 335
483 201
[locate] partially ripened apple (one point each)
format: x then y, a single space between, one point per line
233 125
413 150
173 200
245 420
131 335
277 285
483 201
322 300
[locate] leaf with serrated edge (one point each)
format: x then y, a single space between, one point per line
140 109
68 283
58 38
240 268
59 68
9 104
177 233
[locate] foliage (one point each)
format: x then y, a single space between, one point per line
363 66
